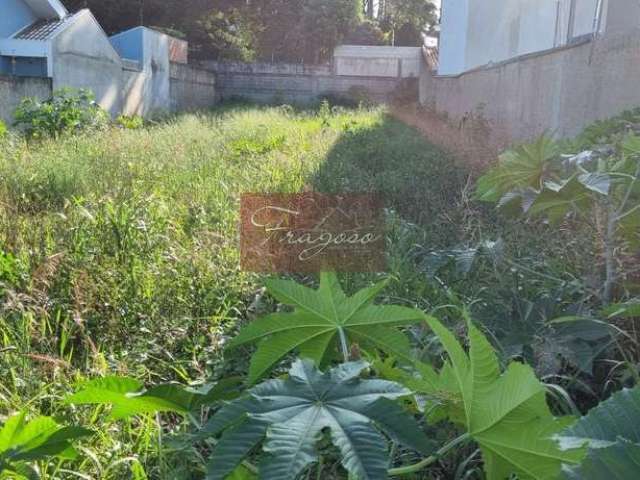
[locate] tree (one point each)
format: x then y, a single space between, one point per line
367 32
410 17
303 30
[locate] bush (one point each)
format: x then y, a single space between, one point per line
3 129
366 33
67 110
130 122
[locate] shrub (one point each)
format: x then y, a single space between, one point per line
361 95
130 122
366 33
67 110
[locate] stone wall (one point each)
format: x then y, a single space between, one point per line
560 91
13 89
292 83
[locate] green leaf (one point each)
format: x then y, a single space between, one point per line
628 309
290 414
235 444
612 432
619 461
506 414
596 182
21 471
557 200
521 168
631 145
392 418
241 473
128 397
40 438
619 416
319 317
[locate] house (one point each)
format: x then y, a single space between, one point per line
147 56
40 38
140 71
475 33
26 30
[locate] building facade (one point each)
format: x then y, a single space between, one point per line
134 72
475 33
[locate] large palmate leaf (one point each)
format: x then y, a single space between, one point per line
28 441
321 319
612 432
557 199
290 415
521 168
128 397
506 414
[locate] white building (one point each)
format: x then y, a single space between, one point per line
480 32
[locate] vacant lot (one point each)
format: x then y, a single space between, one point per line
119 256
118 250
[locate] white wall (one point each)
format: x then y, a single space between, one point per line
15 16
82 57
493 31
585 12
540 25
377 61
480 32
453 36
156 65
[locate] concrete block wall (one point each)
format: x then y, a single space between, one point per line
14 89
377 61
191 88
560 91
293 83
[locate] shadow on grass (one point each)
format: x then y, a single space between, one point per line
417 180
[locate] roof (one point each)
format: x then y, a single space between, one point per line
42 29
50 9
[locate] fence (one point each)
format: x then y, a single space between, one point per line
293 83
13 89
559 91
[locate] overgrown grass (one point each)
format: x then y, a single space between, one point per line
119 249
118 255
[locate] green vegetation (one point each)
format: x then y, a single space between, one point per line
67 111
124 310
322 321
610 432
299 31
293 413
119 251
22 442
132 122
